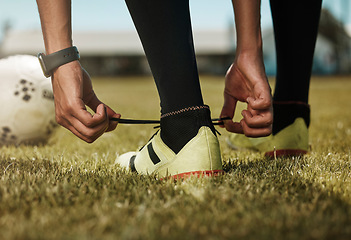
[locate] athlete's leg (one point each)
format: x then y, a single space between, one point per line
164 28
187 141
295 29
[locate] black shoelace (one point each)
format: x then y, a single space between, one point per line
215 121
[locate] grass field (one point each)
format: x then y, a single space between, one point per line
68 189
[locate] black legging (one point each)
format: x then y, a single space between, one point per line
295 29
164 27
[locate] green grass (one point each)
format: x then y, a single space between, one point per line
68 189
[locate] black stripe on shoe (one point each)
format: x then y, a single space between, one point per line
132 164
154 158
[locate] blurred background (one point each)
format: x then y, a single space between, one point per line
109 44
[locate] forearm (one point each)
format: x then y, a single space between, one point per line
55 17
248 25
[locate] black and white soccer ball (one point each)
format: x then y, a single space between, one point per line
27 104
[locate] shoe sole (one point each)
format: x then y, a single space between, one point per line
272 154
198 174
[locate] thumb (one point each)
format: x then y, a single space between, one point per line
93 102
100 112
228 110
229 106
111 114
261 103
104 110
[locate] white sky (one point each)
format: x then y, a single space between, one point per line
113 14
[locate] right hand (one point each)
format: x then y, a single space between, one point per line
73 91
246 81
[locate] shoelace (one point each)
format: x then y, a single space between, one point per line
215 121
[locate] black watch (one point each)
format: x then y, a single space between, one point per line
54 60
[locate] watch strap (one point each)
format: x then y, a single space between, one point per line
56 59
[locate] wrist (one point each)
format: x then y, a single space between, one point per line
52 48
55 40
249 53
250 43
73 67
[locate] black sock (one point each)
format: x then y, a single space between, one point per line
285 114
179 127
164 28
295 29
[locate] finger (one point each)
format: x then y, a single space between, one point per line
233 127
80 130
95 102
255 132
89 120
101 115
88 134
89 127
260 119
111 114
261 103
85 125
229 106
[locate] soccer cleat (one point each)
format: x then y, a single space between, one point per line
200 157
290 141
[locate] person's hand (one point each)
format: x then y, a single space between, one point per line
246 81
73 91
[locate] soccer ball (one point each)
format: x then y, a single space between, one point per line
27 103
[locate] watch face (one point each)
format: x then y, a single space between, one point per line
42 64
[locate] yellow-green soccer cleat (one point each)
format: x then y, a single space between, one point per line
200 157
290 141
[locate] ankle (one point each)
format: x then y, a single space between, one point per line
286 112
179 127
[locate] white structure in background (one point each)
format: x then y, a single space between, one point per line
109 53
116 53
